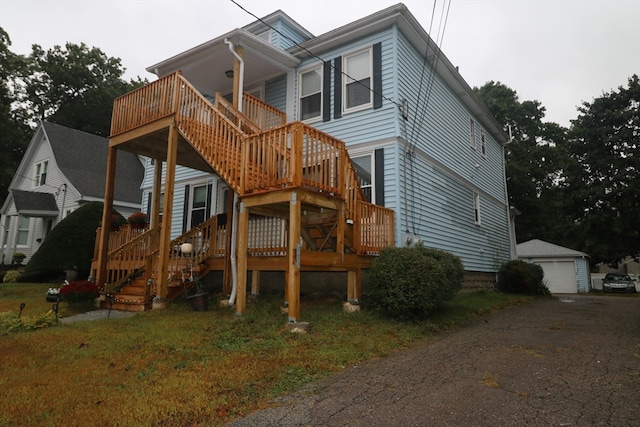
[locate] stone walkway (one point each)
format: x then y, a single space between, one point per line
101 314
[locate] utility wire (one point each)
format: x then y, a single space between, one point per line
313 55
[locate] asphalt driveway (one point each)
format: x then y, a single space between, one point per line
567 361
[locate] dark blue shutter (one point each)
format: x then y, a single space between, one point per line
185 209
337 87
379 178
377 76
326 90
208 208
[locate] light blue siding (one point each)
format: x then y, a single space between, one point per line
582 267
275 93
285 36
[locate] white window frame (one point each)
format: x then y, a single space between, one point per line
347 79
23 229
41 169
483 144
192 192
472 133
320 69
371 154
476 208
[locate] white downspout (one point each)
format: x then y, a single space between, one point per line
234 218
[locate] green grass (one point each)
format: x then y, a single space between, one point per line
177 367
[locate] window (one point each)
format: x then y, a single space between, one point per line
476 207
364 170
357 80
472 133
23 231
483 144
310 90
198 205
41 173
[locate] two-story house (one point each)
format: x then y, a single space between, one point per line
333 146
61 169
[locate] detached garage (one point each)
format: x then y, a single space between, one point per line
566 271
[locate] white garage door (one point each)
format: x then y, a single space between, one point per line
560 276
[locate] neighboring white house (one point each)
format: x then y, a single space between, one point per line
61 170
566 271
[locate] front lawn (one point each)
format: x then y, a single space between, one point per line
176 367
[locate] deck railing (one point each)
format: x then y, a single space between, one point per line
375 228
254 151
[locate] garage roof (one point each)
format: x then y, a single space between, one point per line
539 248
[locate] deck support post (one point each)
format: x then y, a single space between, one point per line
354 285
243 243
167 211
255 282
105 227
293 261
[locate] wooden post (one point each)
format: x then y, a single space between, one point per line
103 245
243 243
165 227
354 285
255 282
226 273
293 262
156 191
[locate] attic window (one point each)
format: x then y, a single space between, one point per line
483 142
41 174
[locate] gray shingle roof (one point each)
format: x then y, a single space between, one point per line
82 158
31 202
539 248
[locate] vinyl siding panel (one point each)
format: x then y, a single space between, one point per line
582 267
439 124
275 93
285 36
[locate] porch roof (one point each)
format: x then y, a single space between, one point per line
204 66
31 203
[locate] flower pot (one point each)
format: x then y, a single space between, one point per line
199 302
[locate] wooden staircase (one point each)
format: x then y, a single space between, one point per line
266 162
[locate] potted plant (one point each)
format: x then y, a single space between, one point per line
138 220
18 257
197 296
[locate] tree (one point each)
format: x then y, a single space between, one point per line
15 133
535 161
604 174
75 86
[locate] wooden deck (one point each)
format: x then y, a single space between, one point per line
301 207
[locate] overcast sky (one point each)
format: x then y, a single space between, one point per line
559 52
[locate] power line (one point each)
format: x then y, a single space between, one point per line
313 55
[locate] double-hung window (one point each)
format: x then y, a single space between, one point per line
41 173
364 171
483 143
310 90
472 133
358 72
23 230
198 205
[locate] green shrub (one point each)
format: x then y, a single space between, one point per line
70 244
11 276
11 323
408 283
520 277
